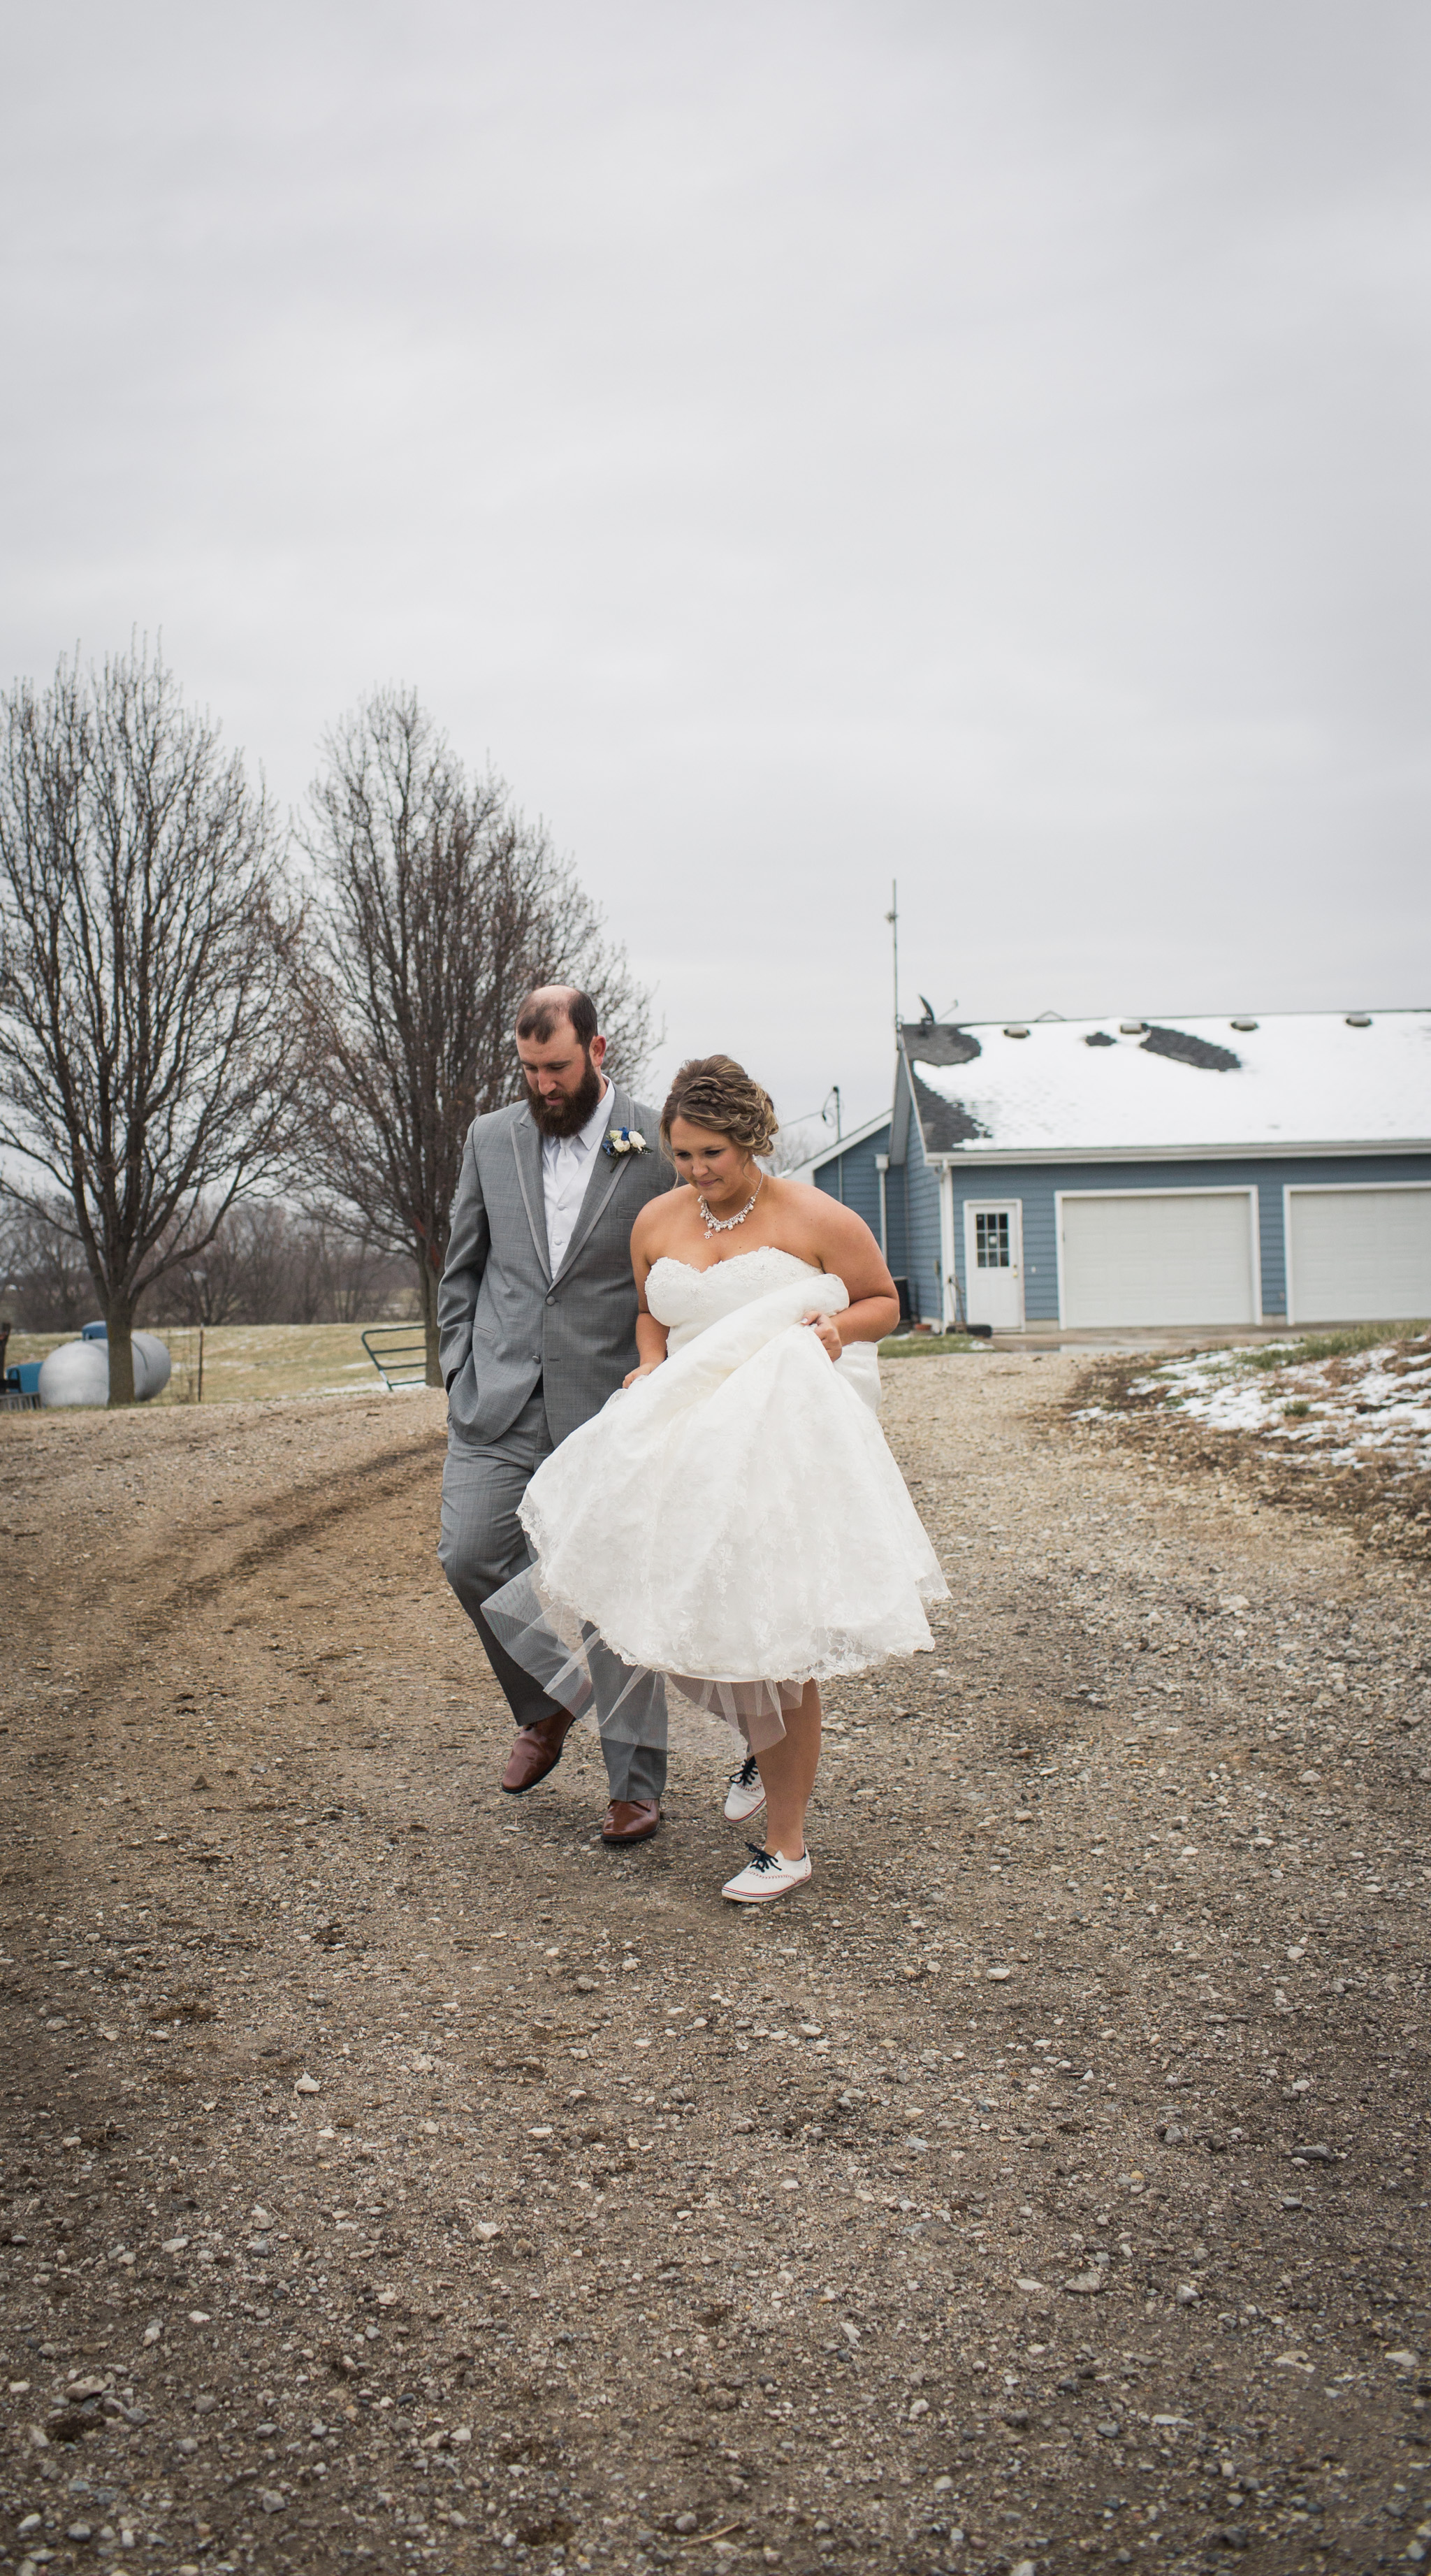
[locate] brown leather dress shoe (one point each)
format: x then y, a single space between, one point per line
535 1752
630 1820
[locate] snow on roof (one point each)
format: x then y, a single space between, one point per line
1294 1079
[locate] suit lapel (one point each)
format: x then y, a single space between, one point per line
527 1147
602 1178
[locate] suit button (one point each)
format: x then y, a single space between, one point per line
551 1296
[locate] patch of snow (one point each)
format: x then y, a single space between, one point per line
1358 1403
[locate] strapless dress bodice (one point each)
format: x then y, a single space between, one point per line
687 1300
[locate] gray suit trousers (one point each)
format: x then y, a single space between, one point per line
483 1545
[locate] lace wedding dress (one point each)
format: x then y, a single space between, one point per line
735 1521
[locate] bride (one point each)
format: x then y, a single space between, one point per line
733 1517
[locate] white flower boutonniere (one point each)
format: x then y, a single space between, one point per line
625 1140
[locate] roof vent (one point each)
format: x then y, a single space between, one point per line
1132 1028
1358 1019
1242 1024
1018 1030
1099 1037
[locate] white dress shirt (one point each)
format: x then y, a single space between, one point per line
566 1169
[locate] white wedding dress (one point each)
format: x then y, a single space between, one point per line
735 1520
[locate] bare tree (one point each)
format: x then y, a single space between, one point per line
265 1262
46 1286
438 908
241 1276
149 1055
271 1263
794 1146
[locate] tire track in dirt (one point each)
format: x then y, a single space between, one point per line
312 1514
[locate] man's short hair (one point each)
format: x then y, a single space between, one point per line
544 1010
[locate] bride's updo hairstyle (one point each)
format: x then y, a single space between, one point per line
714 1092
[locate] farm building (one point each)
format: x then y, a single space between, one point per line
1122 1172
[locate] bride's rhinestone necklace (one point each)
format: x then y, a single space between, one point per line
723 1224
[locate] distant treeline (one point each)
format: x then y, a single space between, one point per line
266 1263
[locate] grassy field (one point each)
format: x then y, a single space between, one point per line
927 1346
243 1361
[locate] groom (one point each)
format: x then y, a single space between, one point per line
537 1323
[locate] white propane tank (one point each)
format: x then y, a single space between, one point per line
78 1372
151 1366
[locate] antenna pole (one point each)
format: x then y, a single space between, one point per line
892 917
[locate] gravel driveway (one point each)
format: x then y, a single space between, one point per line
393 2176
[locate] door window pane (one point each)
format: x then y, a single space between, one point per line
991 1239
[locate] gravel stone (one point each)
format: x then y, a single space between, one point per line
1149 1812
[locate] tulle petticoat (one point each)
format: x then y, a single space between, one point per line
734 1522
560 1656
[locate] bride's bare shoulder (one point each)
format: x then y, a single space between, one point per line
661 1225
820 1229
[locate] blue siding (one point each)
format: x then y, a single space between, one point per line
926 1285
1035 1184
852 1178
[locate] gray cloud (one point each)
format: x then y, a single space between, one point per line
802 444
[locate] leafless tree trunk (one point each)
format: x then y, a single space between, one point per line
149 1055
439 907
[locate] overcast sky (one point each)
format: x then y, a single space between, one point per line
801 445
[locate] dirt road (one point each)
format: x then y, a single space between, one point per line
394 2176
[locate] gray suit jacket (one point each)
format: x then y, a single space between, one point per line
503 1320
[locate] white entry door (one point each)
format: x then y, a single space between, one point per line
994 1262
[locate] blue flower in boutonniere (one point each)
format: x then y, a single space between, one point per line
625 1140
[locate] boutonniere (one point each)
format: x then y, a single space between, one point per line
625 1140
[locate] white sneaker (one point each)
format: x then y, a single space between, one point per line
746 1794
768 1874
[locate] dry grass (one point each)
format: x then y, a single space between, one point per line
928 1346
244 1361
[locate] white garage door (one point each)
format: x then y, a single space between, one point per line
1358 1256
1159 1257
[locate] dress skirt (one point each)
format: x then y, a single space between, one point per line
735 1522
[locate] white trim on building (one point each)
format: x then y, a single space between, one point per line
948 1278
967 1158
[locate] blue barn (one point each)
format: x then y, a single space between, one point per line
1124 1172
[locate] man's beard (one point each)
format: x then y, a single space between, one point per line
566 1117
